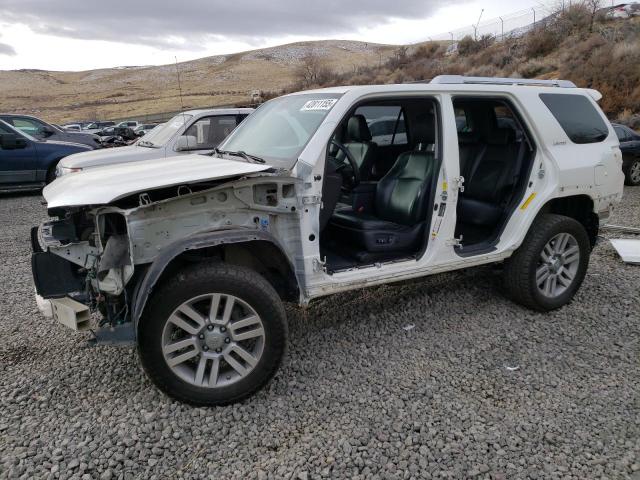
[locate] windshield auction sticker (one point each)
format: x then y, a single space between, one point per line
322 104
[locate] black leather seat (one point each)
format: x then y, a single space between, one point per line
358 142
490 170
401 205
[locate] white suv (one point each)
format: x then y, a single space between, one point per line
193 261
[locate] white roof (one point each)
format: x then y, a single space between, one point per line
447 87
217 111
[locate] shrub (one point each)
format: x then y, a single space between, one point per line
426 50
540 42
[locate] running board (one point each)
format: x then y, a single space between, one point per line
70 313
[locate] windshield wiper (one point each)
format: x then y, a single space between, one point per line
248 157
146 143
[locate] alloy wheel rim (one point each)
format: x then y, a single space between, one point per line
558 265
213 340
635 172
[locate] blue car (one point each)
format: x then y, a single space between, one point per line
27 163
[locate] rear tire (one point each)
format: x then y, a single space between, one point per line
550 265
227 355
632 173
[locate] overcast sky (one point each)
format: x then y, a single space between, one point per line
82 34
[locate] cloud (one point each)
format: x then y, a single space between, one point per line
6 49
181 24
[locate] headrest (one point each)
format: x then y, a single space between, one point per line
501 136
424 130
358 130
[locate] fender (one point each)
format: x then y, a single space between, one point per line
194 242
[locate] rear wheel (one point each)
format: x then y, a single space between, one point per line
632 173
213 335
550 265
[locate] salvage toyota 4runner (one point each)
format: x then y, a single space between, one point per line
317 193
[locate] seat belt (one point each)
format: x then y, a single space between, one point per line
476 164
516 176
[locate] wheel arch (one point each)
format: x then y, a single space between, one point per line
257 250
51 165
578 207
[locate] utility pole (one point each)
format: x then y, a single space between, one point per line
501 28
475 28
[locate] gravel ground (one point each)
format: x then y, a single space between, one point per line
479 387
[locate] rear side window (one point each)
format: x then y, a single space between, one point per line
577 117
623 136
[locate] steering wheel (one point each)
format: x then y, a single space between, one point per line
354 173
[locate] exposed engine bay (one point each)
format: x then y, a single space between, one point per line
100 254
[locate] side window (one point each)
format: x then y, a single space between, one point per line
504 118
386 124
210 131
623 134
577 117
463 125
4 130
26 125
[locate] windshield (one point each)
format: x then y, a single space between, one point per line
160 136
280 129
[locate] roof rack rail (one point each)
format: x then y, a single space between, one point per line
461 79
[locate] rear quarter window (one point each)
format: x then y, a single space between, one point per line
577 116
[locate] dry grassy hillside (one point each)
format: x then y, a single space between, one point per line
134 91
574 44
590 50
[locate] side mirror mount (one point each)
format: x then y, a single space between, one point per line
11 141
186 142
47 131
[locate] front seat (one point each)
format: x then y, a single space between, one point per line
358 142
400 210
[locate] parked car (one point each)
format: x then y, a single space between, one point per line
623 10
28 163
144 128
189 132
193 261
630 148
71 127
95 127
107 132
128 123
45 131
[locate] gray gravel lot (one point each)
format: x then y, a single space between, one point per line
359 396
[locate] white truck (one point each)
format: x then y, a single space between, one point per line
193 261
192 131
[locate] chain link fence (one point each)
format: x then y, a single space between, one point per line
511 25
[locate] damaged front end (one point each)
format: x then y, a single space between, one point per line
81 265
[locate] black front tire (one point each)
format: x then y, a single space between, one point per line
520 268
202 279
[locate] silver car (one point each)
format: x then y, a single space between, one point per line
192 131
